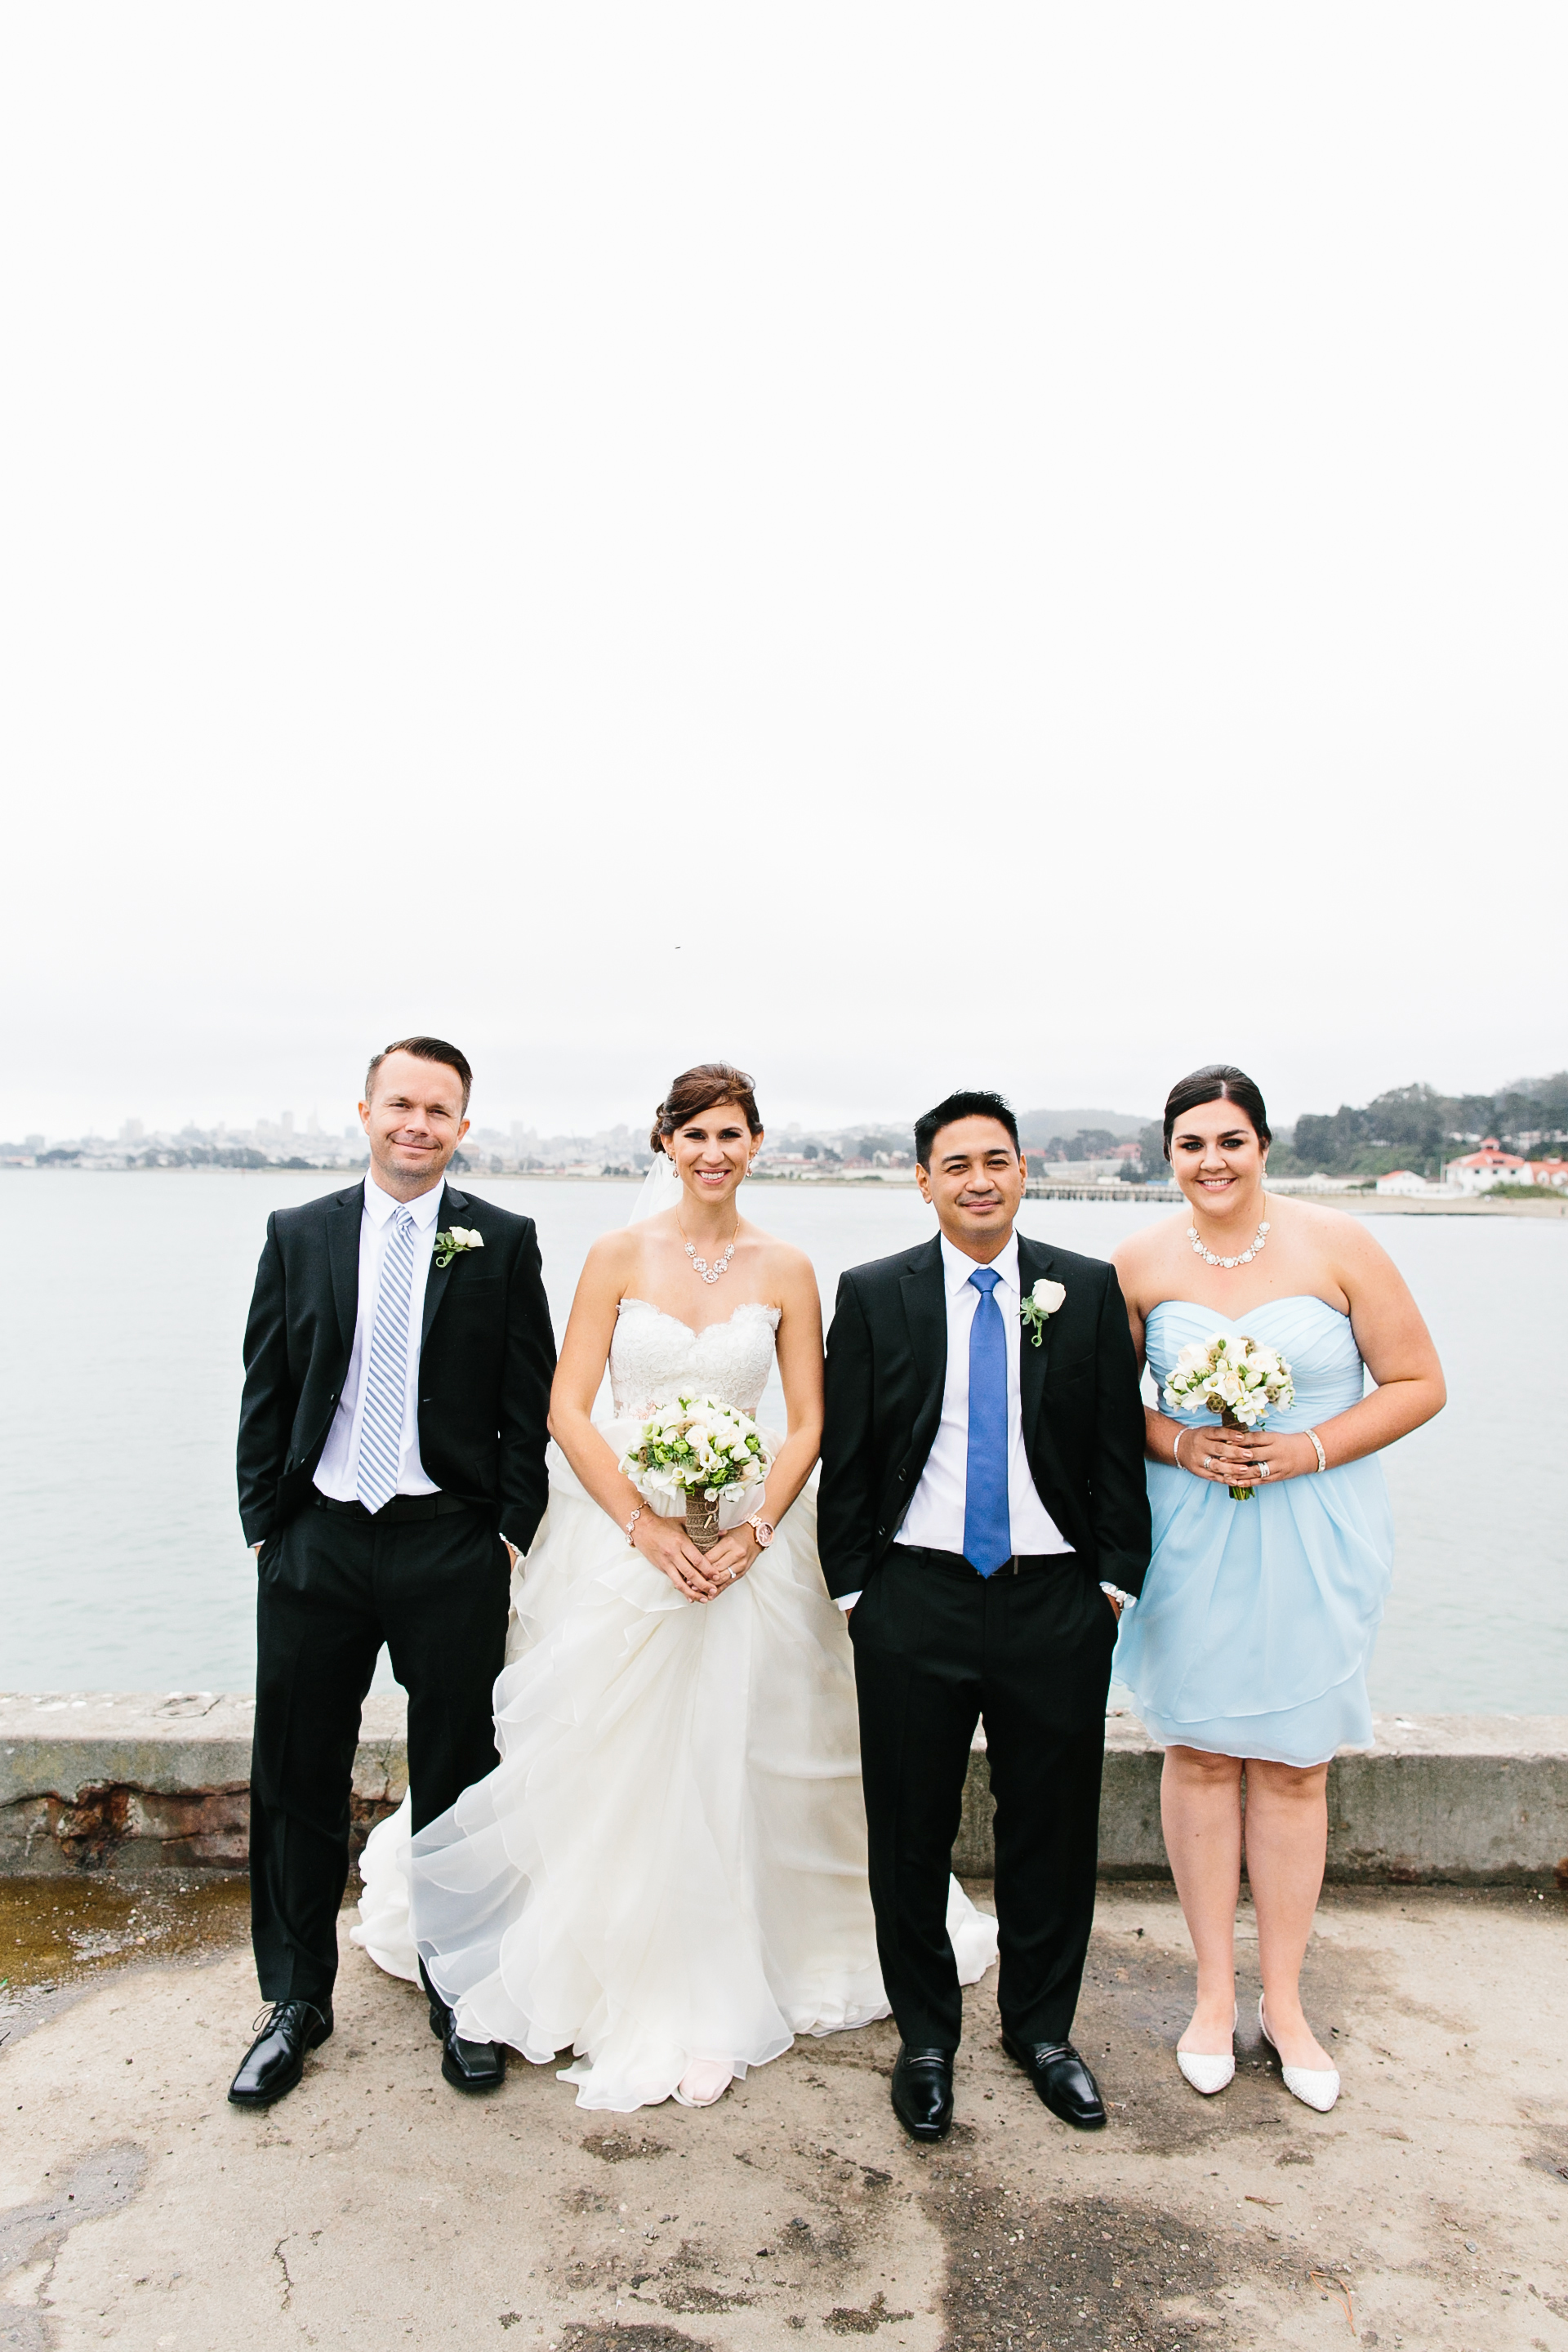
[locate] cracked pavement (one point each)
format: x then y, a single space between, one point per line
374 2206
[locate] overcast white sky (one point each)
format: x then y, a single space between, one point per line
906 546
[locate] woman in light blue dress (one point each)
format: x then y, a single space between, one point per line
1247 1649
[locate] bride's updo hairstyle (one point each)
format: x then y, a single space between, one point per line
698 1090
1220 1082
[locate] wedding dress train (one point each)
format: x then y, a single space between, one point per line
668 1865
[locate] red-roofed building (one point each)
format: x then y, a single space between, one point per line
1549 1171
1488 1166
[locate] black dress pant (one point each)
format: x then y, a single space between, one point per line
937 1647
334 1585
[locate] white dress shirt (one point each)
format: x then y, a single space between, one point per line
935 1517
337 1473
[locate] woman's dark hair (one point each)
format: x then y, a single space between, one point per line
698 1090
1219 1081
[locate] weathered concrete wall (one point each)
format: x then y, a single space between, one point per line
128 1781
1456 1799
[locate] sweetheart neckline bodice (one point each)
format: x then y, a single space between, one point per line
700 1331
1287 1298
654 1356
1325 1361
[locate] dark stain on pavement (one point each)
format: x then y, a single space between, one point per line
1085 2271
623 2148
57 1935
581 2337
101 2183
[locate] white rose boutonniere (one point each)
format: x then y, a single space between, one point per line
451 1244
1043 1300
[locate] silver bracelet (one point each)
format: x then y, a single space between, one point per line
1317 1442
1177 1450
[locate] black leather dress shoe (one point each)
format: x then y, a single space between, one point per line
922 2092
472 2065
1062 2080
467 2065
276 2059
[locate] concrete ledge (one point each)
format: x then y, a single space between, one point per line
1454 1799
131 1781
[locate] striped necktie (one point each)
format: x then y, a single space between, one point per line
387 1373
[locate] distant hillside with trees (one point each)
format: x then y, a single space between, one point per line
1416 1127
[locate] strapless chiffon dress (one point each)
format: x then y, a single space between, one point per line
668 1864
1257 1620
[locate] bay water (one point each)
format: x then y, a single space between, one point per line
123 1302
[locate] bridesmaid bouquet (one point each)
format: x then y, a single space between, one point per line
697 1450
1235 1377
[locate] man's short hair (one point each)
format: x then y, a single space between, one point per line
424 1049
971 1103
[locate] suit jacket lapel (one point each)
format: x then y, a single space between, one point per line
343 1221
925 1313
435 1281
1034 1260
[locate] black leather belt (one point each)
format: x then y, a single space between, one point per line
1023 1563
401 1507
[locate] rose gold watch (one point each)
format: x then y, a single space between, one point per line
761 1529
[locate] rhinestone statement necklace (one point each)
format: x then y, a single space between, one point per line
700 1265
1207 1256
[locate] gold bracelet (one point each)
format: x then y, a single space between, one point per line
1317 1442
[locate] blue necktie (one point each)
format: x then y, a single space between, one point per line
387 1373
987 1530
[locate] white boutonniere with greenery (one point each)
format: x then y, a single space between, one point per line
456 1239
1043 1300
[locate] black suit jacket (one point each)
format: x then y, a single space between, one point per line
486 1361
1083 1415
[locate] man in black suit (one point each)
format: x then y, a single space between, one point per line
983 1515
397 1368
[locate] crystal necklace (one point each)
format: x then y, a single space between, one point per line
699 1265
1208 1257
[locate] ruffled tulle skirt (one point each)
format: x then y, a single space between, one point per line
668 1862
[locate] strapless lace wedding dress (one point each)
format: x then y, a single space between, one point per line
668 1866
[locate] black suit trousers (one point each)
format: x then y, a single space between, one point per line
333 1587
938 1648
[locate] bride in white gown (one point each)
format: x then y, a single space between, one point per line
666 1873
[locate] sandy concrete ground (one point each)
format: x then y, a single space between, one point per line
375 2206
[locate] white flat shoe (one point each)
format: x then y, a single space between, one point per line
1315 2086
1206 2073
704 2083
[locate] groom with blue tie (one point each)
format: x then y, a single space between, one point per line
983 1518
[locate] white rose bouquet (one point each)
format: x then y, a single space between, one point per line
1235 1377
697 1450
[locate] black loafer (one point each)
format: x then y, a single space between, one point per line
472 2065
1062 2080
276 2059
922 2092
467 2065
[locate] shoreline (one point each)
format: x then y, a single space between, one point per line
1123 1196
